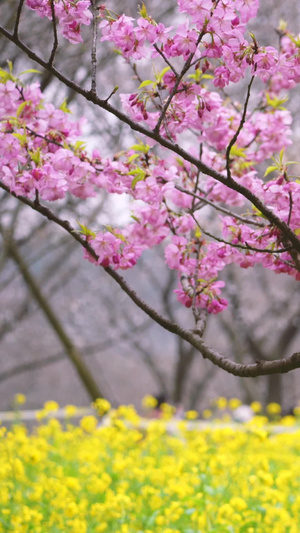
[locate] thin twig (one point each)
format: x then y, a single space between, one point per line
94 50
198 175
18 18
290 208
166 60
242 246
220 208
55 39
177 83
238 131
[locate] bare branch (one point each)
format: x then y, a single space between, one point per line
220 208
55 39
18 18
55 358
238 131
166 60
242 246
176 85
94 49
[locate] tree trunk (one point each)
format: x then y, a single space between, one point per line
185 359
274 388
72 352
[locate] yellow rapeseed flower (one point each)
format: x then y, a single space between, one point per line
51 406
149 402
297 410
20 399
256 407
157 478
70 410
207 413
273 408
221 403
191 415
234 403
89 423
102 406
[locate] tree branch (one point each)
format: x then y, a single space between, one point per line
252 370
18 18
55 39
94 49
238 131
288 234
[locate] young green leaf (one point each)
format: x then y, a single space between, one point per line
270 169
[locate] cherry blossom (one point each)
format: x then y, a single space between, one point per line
183 104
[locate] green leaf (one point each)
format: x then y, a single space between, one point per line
238 152
145 83
22 107
36 156
294 40
246 164
144 148
161 74
132 157
22 138
139 174
143 11
119 236
29 71
297 231
10 66
79 144
270 169
115 233
281 154
198 233
5 76
275 102
64 107
85 231
257 212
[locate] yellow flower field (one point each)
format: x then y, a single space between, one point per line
122 479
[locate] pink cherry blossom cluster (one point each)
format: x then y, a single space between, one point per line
42 157
71 14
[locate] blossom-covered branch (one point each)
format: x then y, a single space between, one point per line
166 176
